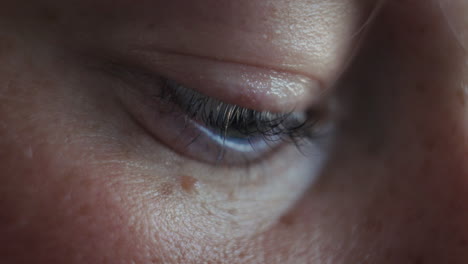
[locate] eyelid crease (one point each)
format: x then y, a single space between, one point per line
156 49
254 87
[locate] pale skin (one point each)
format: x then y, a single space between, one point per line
88 175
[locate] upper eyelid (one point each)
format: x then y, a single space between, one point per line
153 84
149 81
196 105
161 106
249 86
131 74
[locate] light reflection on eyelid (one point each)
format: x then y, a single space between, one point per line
250 86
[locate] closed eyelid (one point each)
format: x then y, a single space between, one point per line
253 87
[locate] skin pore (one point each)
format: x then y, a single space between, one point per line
91 167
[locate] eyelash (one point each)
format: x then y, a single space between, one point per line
222 118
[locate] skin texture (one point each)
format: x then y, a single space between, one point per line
87 177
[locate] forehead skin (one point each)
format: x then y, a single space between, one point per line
311 37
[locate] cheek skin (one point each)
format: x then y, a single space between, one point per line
61 208
57 210
62 219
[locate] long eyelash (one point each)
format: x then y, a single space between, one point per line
226 118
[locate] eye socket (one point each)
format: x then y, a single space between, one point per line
211 131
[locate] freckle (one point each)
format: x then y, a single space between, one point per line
463 242
373 225
417 260
232 195
156 260
50 15
388 255
84 210
429 144
6 47
421 88
151 26
232 211
288 219
422 30
188 183
127 153
461 97
166 189
84 183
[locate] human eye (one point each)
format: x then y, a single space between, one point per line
219 133
209 130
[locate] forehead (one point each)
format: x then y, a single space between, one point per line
296 23
239 12
307 36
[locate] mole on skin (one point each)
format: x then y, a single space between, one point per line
188 183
